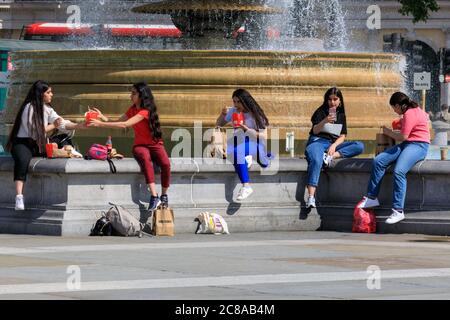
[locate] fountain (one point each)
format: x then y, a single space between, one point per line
193 85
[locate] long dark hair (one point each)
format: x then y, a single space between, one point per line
403 101
148 103
333 92
252 107
35 98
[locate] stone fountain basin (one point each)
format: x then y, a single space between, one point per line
195 85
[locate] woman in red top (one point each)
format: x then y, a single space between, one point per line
148 143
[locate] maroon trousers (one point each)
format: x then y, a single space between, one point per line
146 154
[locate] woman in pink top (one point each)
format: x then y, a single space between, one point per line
415 140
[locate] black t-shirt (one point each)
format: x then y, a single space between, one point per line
320 114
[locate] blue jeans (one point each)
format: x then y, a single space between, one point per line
315 149
238 152
405 156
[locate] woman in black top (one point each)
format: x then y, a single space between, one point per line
326 140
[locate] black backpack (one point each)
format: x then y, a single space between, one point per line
102 228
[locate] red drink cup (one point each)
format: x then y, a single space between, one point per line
49 149
90 115
238 119
396 124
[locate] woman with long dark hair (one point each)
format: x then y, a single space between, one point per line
249 138
415 140
327 140
27 139
148 146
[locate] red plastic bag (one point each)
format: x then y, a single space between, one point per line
364 220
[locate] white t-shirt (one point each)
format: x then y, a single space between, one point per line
50 116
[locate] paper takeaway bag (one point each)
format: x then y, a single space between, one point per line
61 153
163 223
218 146
383 142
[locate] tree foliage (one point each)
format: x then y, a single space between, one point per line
418 9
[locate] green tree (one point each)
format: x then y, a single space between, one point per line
419 9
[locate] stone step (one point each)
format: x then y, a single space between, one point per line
416 221
65 197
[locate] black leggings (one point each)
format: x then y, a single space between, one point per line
23 150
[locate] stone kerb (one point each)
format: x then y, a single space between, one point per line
65 197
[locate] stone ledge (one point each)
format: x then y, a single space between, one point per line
180 165
129 165
65 196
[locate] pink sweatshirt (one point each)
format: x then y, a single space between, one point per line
415 125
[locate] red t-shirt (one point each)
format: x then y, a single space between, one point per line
142 132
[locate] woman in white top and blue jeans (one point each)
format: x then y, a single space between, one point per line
27 139
249 138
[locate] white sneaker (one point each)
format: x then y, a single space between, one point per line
20 206
244 193
249 160
311 203
395 217
369 203
328 160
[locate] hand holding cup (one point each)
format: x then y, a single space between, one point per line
225 111
58 122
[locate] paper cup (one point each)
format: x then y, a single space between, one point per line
90 115
444 152
238 119
49 150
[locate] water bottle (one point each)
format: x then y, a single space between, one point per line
109 144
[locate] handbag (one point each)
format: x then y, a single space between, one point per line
163 222
100 152
211 223
61 140
123 222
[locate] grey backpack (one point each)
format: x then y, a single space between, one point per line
123 222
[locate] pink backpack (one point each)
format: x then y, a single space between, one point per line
98 152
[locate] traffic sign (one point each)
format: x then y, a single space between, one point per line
422 81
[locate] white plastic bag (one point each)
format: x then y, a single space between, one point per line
211 223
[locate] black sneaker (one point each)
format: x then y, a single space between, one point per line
165 200
155 202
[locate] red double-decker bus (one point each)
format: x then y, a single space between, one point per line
65 32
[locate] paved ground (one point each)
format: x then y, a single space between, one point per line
275 265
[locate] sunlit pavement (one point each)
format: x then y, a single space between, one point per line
272 265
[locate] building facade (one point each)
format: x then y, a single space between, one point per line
433 35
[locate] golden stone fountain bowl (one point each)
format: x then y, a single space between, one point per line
195 85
